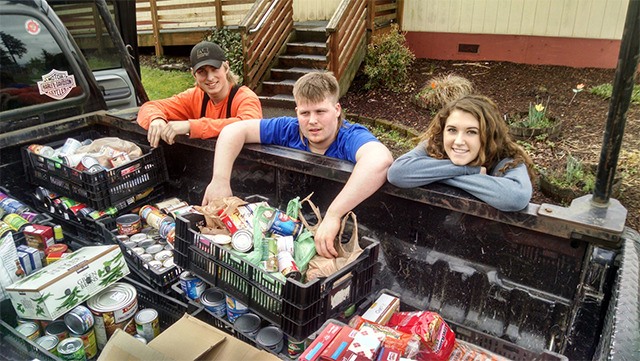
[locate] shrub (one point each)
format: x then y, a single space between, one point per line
387 61
231 43
605 90
442 89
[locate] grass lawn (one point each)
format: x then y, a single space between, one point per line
162 84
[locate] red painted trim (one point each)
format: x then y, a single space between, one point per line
573 52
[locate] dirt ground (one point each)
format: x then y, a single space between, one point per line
513 86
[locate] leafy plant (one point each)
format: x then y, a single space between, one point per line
605 90
535 118
387 61
575 175
442 89
231 42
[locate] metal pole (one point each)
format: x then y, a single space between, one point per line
620 99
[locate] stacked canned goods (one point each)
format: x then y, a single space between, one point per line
155 218
112 308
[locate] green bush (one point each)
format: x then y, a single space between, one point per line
231 43
388 60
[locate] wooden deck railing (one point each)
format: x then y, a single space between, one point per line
347 30
384 12
172 22
264 32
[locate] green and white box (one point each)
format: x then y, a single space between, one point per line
53 290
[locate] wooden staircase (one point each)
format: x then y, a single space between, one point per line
306 51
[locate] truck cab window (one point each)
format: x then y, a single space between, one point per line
33 68
89 32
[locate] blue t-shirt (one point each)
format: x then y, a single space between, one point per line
285 131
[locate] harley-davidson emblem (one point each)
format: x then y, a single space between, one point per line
56 84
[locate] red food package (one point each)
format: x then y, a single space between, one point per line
436 337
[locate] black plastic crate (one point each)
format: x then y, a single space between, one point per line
160 281
14 345
98 190
297 308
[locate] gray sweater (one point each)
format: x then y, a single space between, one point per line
510 191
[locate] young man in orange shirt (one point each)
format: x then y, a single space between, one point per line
202 111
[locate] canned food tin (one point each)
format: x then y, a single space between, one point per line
285 243
57 328
140 338
214 301
12 205
146 243
168 263
191 285
112 308
128 224
138 237
163 255
69 147
71 349
242 240
295 347
153 216
287 266
270 338
154 249
49 343
79 320
147 323
284 225
248 324
89 341
146 258
235 309
270 254
138 250
29 329
88 162
153 264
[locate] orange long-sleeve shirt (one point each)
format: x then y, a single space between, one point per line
188 105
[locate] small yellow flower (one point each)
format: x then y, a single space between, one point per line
539 107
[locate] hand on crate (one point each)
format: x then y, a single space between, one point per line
156 127
175 128
326 234
217 189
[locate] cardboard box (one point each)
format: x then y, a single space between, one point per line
34 257
381 310
53 290
321 342
187 339
338 346
39 237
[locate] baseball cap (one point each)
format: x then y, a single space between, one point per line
207 53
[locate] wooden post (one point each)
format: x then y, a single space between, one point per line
399 12
156 27
371 13
97 22
219 21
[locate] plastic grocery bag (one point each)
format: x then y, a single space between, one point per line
104 149
323 267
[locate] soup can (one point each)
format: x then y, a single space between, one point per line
89 342
29 329
57 328
128 224
147 323
191 285
71 349
248 324
287 266
242 240
113 308
49 343
295 347
69 147
153 216
140 338
79 320
12 205
214 301
284 225
235 309
270 338
285 243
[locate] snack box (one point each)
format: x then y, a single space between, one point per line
39 237
57 288
381 310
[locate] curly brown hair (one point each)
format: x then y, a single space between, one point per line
495 141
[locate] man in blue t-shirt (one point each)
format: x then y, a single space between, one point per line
319 128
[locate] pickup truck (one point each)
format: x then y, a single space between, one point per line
545 283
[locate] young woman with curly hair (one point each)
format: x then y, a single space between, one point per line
468 146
